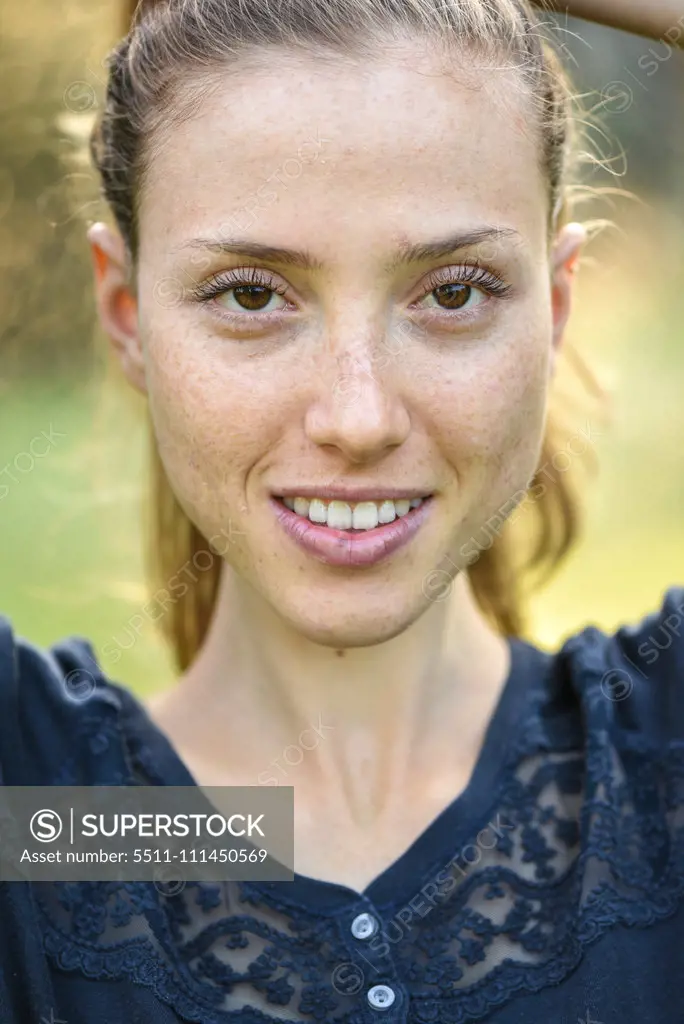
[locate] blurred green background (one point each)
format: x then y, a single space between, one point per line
70 517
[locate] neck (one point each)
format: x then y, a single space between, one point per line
264 705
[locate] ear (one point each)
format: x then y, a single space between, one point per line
565 254
116 304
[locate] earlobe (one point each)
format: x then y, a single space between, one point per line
116 305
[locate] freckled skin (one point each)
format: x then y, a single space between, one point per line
358 378
456 408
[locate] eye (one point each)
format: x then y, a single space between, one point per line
243 292
456 289
456 295
249 298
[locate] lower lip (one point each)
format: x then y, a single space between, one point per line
351 548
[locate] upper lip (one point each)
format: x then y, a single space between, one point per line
353 494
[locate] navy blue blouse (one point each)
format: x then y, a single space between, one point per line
550 890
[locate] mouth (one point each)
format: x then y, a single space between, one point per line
352 533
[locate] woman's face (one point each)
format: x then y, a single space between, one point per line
295 342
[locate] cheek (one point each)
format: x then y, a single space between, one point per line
212 421
489 407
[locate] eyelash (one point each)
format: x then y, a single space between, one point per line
470 272
223 283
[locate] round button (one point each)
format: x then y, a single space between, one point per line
381 996
364 926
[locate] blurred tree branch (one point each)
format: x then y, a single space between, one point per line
656 19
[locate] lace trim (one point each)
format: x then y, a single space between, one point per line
585 833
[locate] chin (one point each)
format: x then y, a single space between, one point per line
331 622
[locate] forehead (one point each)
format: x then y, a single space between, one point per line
400 143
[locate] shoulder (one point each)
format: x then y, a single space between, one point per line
631 681
56 709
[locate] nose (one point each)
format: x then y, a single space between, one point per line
357 408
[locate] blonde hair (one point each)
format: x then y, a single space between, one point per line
170 45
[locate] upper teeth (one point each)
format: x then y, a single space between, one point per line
340 515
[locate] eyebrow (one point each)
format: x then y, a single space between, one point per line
407 253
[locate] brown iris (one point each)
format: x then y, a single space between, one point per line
254 294
455 295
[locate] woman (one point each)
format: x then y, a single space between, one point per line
341 272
